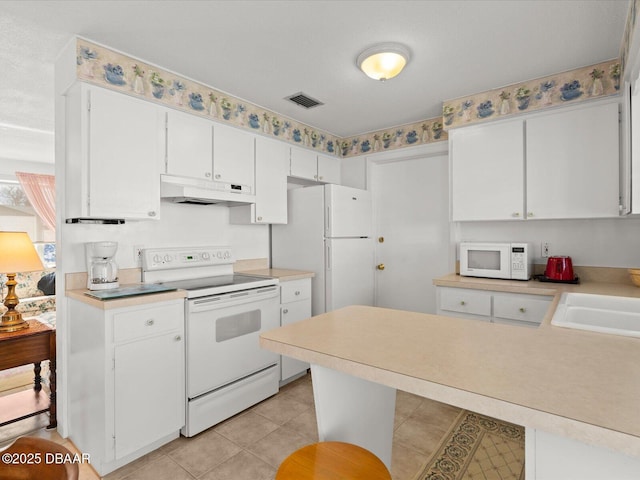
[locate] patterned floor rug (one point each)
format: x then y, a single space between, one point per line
478 448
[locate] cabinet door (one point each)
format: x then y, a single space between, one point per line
304 164
573 163
233 156
189 145
291 313
329 169
149 391
487 172
125 156
272 161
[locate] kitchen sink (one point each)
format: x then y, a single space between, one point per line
599 313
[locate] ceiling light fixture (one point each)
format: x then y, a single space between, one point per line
383 61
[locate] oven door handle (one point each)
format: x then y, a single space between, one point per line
234 298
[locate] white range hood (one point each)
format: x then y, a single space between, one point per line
204 192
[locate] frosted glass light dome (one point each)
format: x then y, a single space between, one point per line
383 61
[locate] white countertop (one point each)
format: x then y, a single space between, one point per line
578 384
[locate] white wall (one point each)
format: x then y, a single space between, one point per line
9 167
179 225
613 242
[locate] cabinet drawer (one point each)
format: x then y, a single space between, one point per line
295 290
465 301
136 323
526 308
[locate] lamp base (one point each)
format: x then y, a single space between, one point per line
12 321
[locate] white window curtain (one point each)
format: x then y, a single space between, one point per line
41 192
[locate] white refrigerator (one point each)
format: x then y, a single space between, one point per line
329 233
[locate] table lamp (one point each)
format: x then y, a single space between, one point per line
17 254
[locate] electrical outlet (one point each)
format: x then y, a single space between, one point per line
545 249
137 254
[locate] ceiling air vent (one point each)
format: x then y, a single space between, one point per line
304 100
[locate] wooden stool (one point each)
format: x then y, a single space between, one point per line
28 460
332 461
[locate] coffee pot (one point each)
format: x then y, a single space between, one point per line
102 270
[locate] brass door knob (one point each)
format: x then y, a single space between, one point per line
380 267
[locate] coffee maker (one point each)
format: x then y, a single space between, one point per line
102 270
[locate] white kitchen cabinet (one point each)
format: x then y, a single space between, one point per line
233 156
114 155
497 307
189 145
295 305
315 167
559 164
272 164
487 168
573 163
328 169
126 375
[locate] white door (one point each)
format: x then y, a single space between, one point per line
487 168
411 213
348 212
189 145
349 272
233 156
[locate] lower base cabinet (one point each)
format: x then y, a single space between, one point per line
295 305
497 307
126 380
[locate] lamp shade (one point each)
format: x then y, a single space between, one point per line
384 61
17 253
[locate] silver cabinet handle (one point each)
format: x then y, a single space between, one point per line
286 310
207 174
462 302
177 338
297 292
515 214
151 213
259 219
218 175
149 322
530 214
522 309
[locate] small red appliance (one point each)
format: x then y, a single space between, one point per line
559 268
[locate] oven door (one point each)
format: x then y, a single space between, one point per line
222 333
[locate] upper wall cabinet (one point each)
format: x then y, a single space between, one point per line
563 164
315 167
573 161
233 156
189 145
487 167
114 154
272 165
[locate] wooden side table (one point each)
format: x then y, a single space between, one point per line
31 345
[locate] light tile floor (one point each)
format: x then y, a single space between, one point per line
252 444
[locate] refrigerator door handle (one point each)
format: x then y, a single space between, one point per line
328 257
327 221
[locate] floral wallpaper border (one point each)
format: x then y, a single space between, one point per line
409 135
574 86
628 33
104 67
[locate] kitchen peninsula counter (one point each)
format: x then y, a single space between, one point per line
571 383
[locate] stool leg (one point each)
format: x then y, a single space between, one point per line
353 410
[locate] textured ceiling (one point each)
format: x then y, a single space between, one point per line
263 51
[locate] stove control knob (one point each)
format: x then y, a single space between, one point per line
167 258
205 256
219 255
227 254
157 259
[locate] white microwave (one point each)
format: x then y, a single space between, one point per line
496 260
